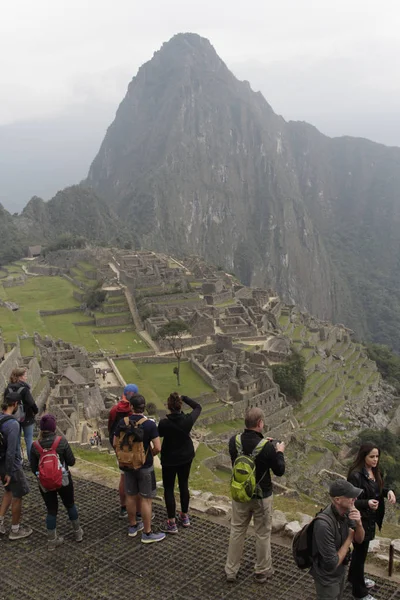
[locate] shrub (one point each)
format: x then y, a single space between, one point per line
291 376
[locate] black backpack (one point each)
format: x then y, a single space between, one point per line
302 542
3 443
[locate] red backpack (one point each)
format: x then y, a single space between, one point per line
50 469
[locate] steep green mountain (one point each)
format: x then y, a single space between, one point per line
11 239
76 210
199 163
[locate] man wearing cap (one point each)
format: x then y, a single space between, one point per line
119 411
332 541
141 483
11 473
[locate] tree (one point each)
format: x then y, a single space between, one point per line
291 376
173 332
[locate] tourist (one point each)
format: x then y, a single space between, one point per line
141 483
331 541
365 474
28 409
177 453
11 473
269 458
66 492
119 411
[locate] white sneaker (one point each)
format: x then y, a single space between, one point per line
2 529
367 597
369 583
22 532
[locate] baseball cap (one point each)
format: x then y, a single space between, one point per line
341 487
137 401
12 398
131 388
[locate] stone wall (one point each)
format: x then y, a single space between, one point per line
186 342
93 402
14 281
47 270
34 372
41 398
105 321
80 296
60 311
204 374
10 362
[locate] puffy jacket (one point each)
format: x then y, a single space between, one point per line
370 491
28 401
64 451
118 412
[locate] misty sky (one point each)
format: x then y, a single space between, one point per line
66 65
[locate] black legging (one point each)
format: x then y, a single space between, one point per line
356 570
169 474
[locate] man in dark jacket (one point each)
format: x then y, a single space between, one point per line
332 541
269 458
11 473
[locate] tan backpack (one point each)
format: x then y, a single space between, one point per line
129 447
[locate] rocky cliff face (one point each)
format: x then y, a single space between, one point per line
199 163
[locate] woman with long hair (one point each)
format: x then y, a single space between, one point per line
49 439
177 453
27 408
364 473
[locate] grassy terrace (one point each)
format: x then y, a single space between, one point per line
157 381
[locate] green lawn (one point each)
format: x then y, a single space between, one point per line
27 347
226 426
157 381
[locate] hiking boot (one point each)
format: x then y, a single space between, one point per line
134 529
369 583
169 527
123 513
149 538
53 540
2 528
184 519
23 532
78 531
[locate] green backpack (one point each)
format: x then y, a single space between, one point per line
243 482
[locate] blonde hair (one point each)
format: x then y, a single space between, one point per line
17 373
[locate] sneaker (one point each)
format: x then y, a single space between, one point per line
367 597
53 544
184 519
263 577
2 528
170 527
78 533
231 578
149 538
369 583
22 532
134 529
123 513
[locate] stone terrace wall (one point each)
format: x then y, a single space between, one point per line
204 374
9 363
105 321
20 280
47 270
186 342
60 311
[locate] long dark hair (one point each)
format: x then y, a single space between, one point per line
359 462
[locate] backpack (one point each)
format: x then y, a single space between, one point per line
302 542
244 486
3 443
20 412
50 468
129 447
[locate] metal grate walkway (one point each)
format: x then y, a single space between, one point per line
108 565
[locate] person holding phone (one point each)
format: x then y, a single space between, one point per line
177 453
365 474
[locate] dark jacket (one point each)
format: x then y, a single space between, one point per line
177 448
64 451
370 491
268 459
327 540
29 403
11 432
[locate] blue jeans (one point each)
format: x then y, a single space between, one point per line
28 436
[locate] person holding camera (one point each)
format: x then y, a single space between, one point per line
269 458
365 474
177 454
331 541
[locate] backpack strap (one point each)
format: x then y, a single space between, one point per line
238 444
36 444
259 447
5 418
142 420
126 421
56 443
